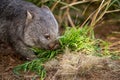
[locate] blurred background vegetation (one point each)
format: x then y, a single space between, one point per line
82 12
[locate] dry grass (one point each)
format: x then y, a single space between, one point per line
80 12
93 11
75 66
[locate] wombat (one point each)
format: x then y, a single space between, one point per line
24 25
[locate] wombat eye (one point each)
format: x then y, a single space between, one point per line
47 36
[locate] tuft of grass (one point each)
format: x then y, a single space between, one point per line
37 65
76 39
46 54
33 66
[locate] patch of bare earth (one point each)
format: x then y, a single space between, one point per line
7 61
77 66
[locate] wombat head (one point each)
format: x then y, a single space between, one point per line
41 29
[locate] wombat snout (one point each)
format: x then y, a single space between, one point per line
53 45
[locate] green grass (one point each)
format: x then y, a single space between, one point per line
76 39
37 65
33 66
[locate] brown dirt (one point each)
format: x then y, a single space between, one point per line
8 60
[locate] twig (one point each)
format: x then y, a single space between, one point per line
53 7
75 3
70 20
112 11
96 14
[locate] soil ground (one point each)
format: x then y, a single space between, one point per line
8 58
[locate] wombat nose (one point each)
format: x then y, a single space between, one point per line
54 45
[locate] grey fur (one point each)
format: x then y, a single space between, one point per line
22 33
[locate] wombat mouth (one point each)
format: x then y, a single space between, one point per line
53 46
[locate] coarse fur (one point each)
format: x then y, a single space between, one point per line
24 25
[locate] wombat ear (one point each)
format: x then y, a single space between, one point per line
29 17
45 7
